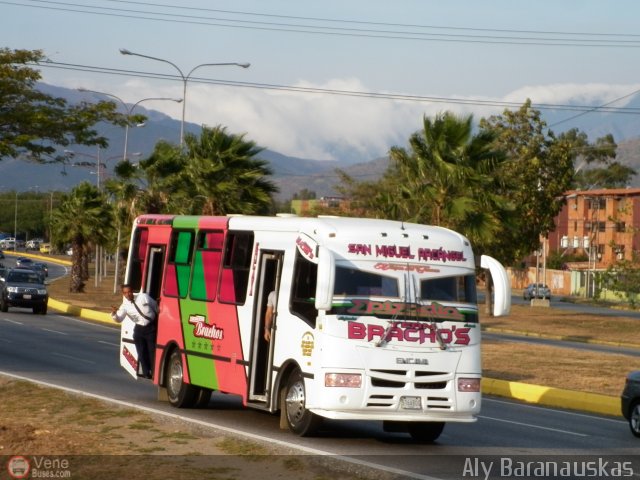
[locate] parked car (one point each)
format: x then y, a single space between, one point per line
537 290
8 243
630 401
45 248
33 244
23 288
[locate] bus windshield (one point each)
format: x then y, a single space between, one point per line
359 292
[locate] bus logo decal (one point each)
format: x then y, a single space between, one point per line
409 332
130 358
434 310
203 330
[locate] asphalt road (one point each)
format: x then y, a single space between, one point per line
71 353
83 356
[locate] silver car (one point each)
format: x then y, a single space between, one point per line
537 290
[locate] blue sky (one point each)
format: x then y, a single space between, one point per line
458 52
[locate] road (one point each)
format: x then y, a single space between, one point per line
74 354
71 353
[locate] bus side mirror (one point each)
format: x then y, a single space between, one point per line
326 279
501 285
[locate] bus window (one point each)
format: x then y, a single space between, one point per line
179 265
235 267
305 275
206 263
136 258
453 289
354 282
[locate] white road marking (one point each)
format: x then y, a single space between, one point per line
54 331
539 427
564 413
109 343
252 436
12 321
77 359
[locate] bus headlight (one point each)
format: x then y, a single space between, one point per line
352 380
468 384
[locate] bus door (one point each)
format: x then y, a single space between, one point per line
261 368
153 279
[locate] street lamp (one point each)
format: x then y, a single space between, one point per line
99 164
185 78
129 110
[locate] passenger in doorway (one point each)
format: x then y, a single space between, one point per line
143 311
268 316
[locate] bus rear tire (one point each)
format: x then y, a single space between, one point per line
181 395
300 420
425 432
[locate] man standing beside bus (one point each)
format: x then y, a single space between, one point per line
142 310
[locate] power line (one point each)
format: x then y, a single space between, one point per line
601 40
349 93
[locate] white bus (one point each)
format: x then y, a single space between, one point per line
374 319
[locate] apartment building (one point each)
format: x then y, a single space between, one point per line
603 224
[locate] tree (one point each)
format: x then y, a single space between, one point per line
82 218
448 177
595 163
223 170
538 171
34 124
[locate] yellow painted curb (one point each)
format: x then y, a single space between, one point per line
81 312
553 397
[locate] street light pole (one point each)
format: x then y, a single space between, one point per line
15 225
128 109
185 78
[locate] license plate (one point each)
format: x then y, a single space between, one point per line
411 403
26 296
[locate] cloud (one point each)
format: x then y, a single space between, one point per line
329 126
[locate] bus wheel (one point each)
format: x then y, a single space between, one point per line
180 394
300 420
426 432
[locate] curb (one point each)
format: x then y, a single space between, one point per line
536 394
553 397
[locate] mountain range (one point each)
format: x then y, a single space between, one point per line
291 174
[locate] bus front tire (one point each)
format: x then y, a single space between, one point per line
300 420
425 432
181 395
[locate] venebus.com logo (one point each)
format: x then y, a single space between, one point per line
20 467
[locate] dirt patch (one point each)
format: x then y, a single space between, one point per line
92 439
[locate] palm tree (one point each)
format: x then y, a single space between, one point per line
449 177
82 218
222 174
125 193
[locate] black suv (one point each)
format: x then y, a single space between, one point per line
24 288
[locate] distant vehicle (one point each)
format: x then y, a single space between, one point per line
45 248
40 267
33 244
630 401
8 243
537 290
24 262
23 288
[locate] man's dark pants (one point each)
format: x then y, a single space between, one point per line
144 339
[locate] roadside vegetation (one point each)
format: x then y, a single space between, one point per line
498 180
